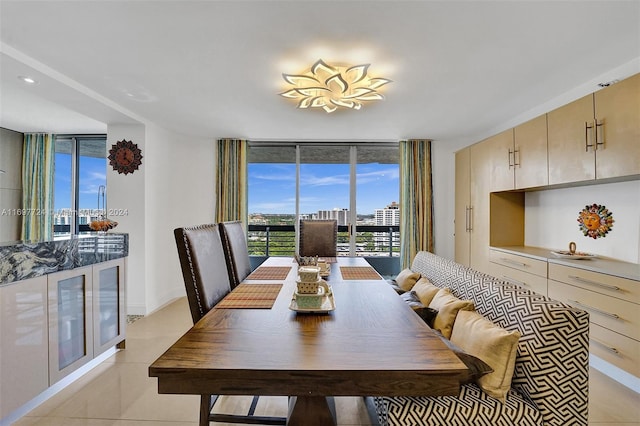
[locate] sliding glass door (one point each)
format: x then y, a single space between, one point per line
356 184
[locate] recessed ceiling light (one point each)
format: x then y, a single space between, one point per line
28 80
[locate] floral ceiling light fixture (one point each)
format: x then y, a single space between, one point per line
332 86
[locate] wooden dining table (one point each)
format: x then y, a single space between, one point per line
371 344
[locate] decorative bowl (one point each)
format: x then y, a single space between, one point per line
103 225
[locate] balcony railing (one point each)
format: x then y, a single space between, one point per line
280 240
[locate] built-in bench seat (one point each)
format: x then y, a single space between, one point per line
550 380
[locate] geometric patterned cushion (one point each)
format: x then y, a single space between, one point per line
471 407
552 361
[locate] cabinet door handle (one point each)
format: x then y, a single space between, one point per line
466 218
595 283
588 136
511 153
511 280
600 132
513 262
470 218
604 345
596 310
516 160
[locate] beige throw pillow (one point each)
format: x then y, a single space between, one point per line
407 278
494 345
425 290
448 306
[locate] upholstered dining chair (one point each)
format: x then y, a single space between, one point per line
318 238
206 280
234 242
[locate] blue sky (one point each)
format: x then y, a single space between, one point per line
92 175
322 187
271 186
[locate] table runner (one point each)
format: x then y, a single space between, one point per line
359 273
270 273
251 296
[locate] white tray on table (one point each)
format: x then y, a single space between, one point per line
328 305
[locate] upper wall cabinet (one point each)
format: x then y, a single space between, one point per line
499 153
518 157
618 129
597 136
530 154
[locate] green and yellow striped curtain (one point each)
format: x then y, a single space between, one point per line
38 159
416 199
231 180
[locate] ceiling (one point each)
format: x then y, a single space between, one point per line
214 69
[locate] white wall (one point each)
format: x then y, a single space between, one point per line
179 192
173 187
127 192
551 219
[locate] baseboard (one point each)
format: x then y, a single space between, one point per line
626 379
136 310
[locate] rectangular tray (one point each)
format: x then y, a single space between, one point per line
328 305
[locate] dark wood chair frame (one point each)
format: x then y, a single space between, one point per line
202 299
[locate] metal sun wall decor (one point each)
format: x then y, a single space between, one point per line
595 221
125 156
332 86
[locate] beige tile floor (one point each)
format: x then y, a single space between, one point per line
119 392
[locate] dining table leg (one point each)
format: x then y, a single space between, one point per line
312 411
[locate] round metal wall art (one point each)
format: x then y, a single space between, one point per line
595 221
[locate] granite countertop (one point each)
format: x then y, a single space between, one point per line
602 265
21 260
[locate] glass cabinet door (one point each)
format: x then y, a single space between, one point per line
70 321
108 305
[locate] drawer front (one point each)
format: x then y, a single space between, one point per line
519 278
615 314
615 348
522 263
621 288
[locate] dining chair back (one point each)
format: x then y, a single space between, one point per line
203 265
206 279
234 243
318 238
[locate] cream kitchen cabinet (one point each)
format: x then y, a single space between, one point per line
523 271
472 208
463 207
24 352
617 110
530 163
613 304
596 137
497 152
476 208
517 158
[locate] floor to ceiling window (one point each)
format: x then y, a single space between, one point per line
79 182
356 184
